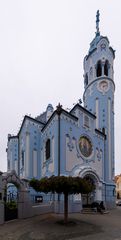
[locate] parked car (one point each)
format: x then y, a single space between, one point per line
118 202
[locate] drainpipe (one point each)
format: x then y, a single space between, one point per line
104 163
59 111
58 145
18 156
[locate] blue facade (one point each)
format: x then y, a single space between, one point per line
79 142
12 153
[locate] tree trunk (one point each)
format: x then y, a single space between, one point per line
87 199
65 208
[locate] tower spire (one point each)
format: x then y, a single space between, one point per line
97 23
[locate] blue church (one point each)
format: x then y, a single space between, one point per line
79 142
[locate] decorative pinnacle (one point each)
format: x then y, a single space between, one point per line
97 22
59 108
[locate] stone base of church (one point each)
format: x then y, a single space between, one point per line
76 207
109 195
104 192
72 207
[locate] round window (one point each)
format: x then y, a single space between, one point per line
85 146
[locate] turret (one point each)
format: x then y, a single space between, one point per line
99 91
49 111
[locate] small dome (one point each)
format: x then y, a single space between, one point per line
49 111
50 106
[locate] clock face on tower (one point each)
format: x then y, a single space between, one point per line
103 86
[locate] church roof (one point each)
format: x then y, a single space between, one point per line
41 117
100 132
12 137
83 110
61 111
31 119
93 44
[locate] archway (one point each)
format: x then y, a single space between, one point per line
96 195
90 173
88 199
23 201
99 69
12 188
10 202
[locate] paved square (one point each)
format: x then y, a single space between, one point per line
83 226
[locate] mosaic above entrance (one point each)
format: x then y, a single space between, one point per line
85 146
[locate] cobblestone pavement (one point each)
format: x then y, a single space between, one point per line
81 227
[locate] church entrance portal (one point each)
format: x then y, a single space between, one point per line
88 199
90 174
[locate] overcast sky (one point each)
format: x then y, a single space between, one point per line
42 46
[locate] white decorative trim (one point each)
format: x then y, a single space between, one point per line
34 163
98 154
109 137
70 144
86 121
82 171
53 148
27 154
90 90
97 112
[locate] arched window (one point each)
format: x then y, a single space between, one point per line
103 130
86 79
99 69
22 158
106 68
86 121
8 164
91 73
47 149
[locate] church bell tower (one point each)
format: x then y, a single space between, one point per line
99 93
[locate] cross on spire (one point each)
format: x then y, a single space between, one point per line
97 22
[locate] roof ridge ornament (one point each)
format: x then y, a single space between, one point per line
97 23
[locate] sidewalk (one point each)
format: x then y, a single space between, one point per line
83 226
